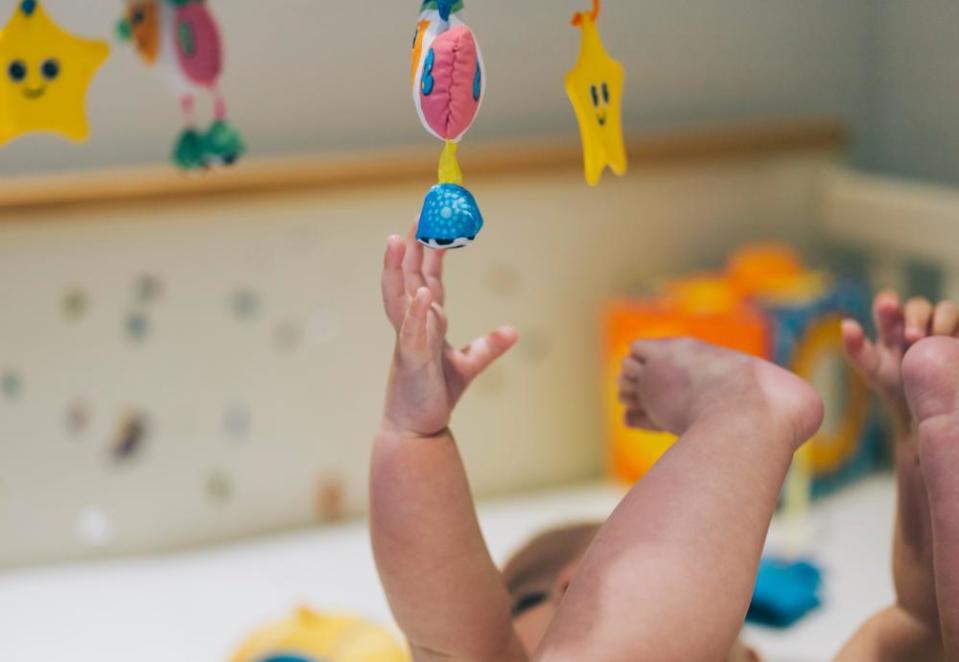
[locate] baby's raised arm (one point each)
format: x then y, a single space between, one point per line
444 589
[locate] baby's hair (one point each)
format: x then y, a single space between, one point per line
531 573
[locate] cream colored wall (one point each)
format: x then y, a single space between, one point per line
913 96
552 251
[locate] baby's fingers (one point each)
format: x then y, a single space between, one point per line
394 291
433 273
945 319
413 264
414 336
482 352
918 314
860 351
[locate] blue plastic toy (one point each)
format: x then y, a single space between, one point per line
785 592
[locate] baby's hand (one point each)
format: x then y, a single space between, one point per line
898 327
428 376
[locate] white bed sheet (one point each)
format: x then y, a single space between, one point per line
198 606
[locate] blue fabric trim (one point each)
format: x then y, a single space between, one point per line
447 6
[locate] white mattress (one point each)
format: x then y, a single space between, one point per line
198 606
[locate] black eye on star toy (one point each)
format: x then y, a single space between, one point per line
50 69
17 71
605 92
595 93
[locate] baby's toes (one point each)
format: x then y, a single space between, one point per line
643 351
632 368
628 400
638 418
628 381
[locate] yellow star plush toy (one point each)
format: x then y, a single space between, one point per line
595 88
44 75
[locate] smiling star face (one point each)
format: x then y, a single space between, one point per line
44 75
599 93
595 88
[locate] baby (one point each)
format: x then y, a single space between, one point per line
670 574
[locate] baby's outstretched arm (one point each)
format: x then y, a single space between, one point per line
444 589
670 575
915 376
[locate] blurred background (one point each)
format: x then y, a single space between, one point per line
192 365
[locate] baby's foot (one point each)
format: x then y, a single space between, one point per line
931 380
898 326
671 384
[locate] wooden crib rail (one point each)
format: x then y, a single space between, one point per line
19 194
897 221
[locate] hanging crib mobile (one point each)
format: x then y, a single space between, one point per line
181 40
449 83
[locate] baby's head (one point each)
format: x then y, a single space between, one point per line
538 575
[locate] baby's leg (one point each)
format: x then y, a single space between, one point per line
880 363
931 379
670 575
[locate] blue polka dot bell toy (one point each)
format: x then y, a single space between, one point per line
448 81
450 217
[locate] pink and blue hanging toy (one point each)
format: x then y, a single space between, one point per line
449 82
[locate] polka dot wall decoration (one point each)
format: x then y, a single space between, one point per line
94 527
11 384
287 337
74 305
219 486
137 327
245 304
130 436
148 289
237 420
77 418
